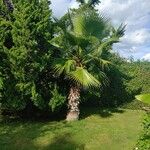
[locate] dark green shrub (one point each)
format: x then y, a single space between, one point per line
144 141
57 100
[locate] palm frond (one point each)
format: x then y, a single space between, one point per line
81 1
60 23
119 32
108 42
57 41
75 40
104 63
70 20
114 38
61 66
82 77
89 23
93 2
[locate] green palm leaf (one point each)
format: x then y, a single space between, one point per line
63 66
144 98
119 32
104 63
57 41
90 23
101 47
82 77
114 38
75 39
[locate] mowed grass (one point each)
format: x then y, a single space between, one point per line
97 130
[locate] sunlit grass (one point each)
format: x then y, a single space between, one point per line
97 130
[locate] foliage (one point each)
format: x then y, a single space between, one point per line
81 61
25 53
139 72
37 52
143 143
57 100
127 79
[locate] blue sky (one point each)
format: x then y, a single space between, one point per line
134 13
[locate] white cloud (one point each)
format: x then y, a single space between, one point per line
146 57
60 7
134 13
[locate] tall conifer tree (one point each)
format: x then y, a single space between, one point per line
24 51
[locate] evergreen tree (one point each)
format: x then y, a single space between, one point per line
25 53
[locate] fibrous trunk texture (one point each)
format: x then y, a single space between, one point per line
73 104
9 5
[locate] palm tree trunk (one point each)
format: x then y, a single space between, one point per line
73 104
9 5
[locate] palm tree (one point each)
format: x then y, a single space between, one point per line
9 5
83 41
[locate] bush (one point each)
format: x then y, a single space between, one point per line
144 141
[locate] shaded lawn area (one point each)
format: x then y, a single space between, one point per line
97 130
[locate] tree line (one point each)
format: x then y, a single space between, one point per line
50 64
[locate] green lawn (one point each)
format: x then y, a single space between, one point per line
97 130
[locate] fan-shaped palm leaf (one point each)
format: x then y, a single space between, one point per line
57 41
119 32
90 23
79 40
101 62
82 77
104 63
63 66
99 50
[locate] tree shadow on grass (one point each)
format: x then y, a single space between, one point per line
22 135
37 135
64 142
102 112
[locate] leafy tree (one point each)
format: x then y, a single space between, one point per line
83 41
25 54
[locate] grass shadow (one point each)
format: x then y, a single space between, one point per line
21 134
102 112
64 142
25 135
